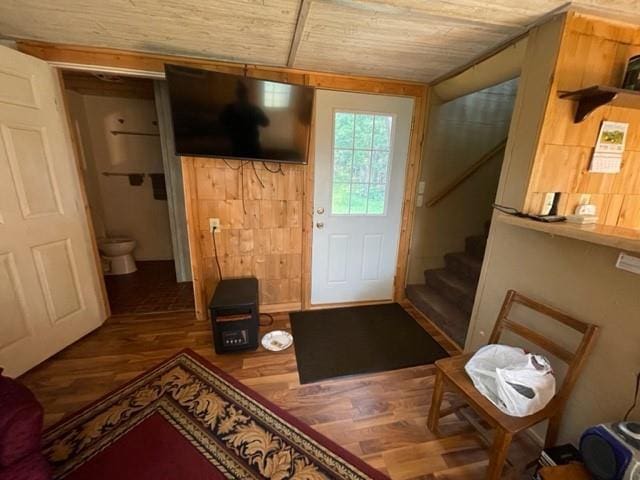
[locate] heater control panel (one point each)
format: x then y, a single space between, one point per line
235 338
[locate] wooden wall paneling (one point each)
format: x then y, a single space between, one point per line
271 236
628 181
193 212
109 59
613 209
593 51
365 85
629 212
123 87
263 238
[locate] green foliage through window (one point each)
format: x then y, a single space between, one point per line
361 159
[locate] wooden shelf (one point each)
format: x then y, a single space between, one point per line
616 237
593 97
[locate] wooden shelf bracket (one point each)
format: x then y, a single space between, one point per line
586 105
591 98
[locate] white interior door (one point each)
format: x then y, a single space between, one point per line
361 146
49 285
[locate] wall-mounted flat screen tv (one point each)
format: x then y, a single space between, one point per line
231 116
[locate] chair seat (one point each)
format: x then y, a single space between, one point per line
453 370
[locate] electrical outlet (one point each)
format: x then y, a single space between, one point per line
585 198
214 223
629 263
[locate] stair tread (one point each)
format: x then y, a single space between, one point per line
463 257
445 314
453 280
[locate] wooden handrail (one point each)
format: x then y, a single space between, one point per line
466 174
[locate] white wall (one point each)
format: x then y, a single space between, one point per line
574 276
581 279
459 133
119 208
75 103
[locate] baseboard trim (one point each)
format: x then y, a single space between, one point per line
281 307
363 303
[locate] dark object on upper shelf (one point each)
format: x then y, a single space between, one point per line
632 75
593 97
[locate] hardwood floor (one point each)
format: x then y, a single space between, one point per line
380 417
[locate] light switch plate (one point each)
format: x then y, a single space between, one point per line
629 263
421 186
419 200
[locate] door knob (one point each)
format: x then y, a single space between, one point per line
320 225
320 210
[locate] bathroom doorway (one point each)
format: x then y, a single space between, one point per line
134 190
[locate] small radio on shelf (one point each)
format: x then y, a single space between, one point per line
612 451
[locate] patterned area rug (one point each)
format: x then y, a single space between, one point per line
188 419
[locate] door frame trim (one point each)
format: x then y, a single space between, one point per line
150 65
412 170
76 148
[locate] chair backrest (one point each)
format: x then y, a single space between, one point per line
575 360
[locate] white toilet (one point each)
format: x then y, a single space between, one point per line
117 258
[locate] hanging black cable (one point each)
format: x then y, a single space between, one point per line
270 317
215 253
253 164
277 170
635 398
232 167
244 208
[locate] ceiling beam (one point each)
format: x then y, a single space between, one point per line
303 13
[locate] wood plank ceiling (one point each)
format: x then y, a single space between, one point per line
402 39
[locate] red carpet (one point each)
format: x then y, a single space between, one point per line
186 419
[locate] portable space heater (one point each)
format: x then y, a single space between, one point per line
235 316
612 451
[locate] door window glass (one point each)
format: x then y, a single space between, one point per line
361 161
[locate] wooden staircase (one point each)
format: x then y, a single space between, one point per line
448 293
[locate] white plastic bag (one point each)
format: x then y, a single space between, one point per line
518 383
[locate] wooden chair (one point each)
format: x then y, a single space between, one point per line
451 371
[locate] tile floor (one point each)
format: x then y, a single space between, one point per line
153 288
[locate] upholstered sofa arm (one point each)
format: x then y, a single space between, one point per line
21 418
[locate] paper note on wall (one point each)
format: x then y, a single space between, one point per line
607 156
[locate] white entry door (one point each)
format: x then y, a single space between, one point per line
49 290
361 146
